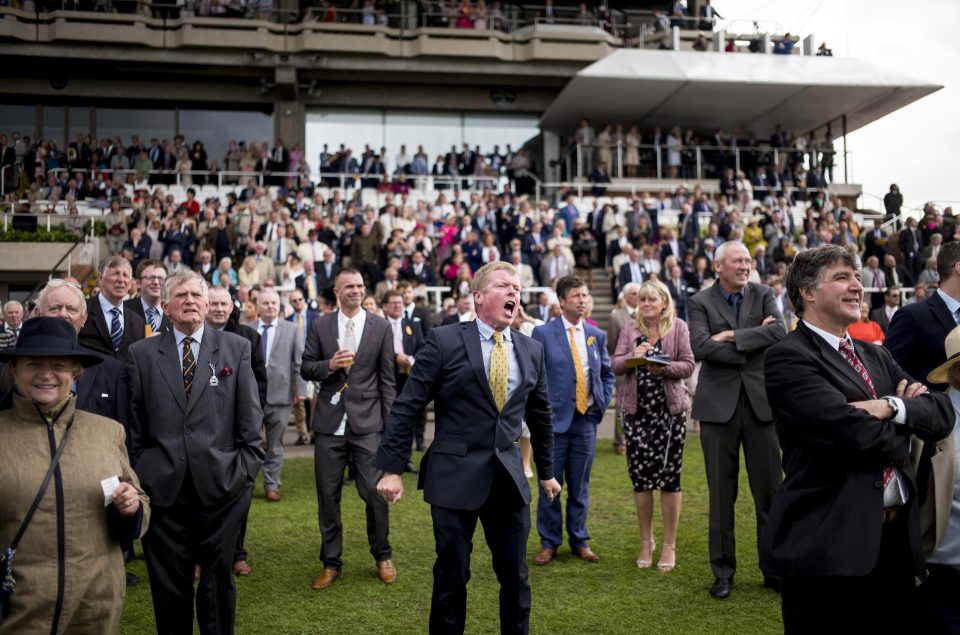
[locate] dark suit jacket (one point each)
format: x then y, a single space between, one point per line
624 277
324 281
413 339
256 355
916 335
423 318
136 306
426 276
371 387
471 436
728 366
825 519
214 434
95 334
880 317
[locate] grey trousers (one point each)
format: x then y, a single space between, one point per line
275 419
721 456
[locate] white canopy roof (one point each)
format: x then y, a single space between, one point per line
736 91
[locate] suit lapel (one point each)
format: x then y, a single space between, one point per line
940 311
170 368
100 321
745 306
723 306
471 341
562 341
835 359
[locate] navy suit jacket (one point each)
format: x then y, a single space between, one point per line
916 336
561 378
471 436
95 333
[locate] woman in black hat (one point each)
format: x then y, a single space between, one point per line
68 561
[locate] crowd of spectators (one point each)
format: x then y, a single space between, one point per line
806 161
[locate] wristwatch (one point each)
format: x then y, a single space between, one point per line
893 406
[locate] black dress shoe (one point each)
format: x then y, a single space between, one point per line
721 588
411 468
132 580
772 582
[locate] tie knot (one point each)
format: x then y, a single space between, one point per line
846 347
498 337
188 340
115 312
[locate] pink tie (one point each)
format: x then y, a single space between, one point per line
846 349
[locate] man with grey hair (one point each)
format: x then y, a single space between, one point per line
110 329
283 352
195 443
12 320
732 323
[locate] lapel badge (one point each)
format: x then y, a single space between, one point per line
590 340
213 375
408 330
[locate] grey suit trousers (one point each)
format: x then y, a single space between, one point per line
721 456
330 459
275 419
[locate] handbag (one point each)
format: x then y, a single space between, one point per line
6 560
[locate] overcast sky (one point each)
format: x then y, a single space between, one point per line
917 147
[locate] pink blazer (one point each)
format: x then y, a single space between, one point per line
676 344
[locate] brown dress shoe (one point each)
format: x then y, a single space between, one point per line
545 555
325 579
386 571
584 553
273 496
241 568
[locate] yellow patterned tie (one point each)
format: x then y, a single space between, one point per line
499 369
581 378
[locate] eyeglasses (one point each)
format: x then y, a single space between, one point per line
152 278
296 299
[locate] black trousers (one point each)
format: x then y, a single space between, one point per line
721 456
506 525
330 458
879 602
938 601
183 535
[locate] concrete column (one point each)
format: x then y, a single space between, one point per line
765 43
809 45
550 147
290 123
675 38
720 41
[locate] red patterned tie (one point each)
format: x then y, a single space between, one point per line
846 349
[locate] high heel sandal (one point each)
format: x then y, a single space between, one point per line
645 564
668 566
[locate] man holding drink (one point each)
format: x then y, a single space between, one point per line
350 354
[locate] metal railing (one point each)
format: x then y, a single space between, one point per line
654 159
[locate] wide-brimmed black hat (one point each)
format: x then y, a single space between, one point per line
49 337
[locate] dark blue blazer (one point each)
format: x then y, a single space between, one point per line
916 335
562 380
472 437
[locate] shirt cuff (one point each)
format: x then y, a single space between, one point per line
901 416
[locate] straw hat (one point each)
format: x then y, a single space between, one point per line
940 374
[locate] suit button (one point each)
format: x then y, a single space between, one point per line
188 430
878 484
183 458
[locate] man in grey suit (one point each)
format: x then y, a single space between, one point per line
282 349
350 353
195 443
732 323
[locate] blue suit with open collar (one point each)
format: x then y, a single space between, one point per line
575 435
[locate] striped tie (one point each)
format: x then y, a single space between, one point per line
189 364
116 329
499 371
581 378
152 319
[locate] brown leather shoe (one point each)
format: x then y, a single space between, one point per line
545 556
386 571
325 579
584 553
241 568
273 496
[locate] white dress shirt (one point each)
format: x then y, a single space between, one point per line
580 337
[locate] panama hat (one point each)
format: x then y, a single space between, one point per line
941 373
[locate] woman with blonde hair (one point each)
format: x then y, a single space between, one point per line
653 402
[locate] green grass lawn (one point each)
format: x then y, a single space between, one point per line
569 596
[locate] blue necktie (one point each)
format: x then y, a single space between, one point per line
116 329
152 319
263 340
735 304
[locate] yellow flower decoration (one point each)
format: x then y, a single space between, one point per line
591 340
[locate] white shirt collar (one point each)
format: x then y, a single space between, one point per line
197 336
358 320
830 338
486 331
107 307
567 324
952 304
